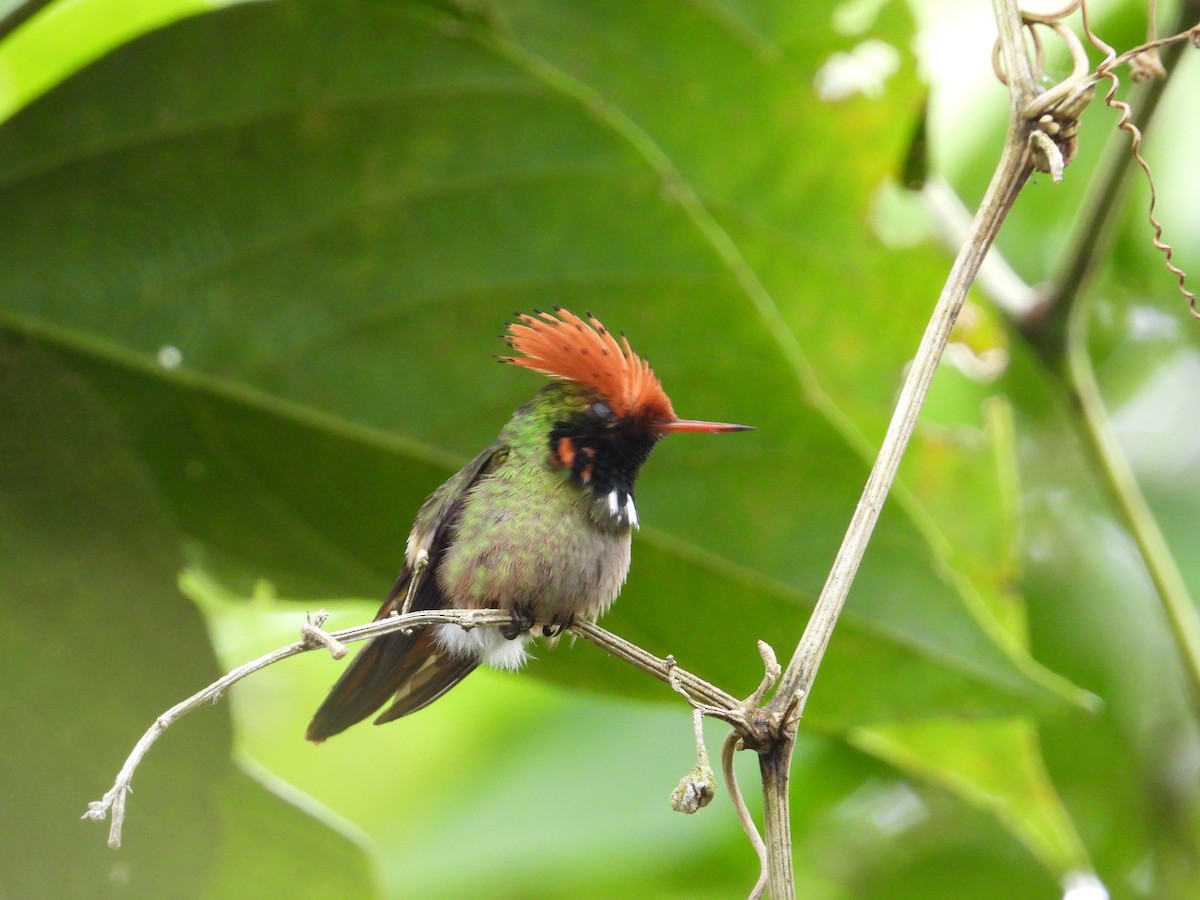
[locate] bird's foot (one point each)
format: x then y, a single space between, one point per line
557 625
522 621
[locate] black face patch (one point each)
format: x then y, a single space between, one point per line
602 452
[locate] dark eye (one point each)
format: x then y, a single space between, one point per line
601 411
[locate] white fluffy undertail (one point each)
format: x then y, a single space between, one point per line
484 643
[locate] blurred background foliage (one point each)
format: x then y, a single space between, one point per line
253 262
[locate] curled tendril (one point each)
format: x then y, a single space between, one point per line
1064 102
1039 58
1105 70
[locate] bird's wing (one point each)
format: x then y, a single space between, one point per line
411 667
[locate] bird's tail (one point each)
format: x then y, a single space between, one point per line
412 668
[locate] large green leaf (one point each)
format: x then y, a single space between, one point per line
99 642
88 569
324 212
328 232
63 37
998 766
265 831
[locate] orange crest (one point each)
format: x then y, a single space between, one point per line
584 352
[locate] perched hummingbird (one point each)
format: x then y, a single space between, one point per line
539 523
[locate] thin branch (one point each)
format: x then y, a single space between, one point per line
1018 72
1075 83
114 800
996 278
774 767
732 745
1011 174
313 634
787 704
1156 554
696 689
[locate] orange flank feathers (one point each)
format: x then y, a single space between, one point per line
571 348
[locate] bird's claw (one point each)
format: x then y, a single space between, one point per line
522 621
558 625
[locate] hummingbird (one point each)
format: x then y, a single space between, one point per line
538 524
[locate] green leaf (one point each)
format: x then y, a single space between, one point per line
64 36
270 839
1093 614
87 589
328 249
276 242
101 641
994 765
